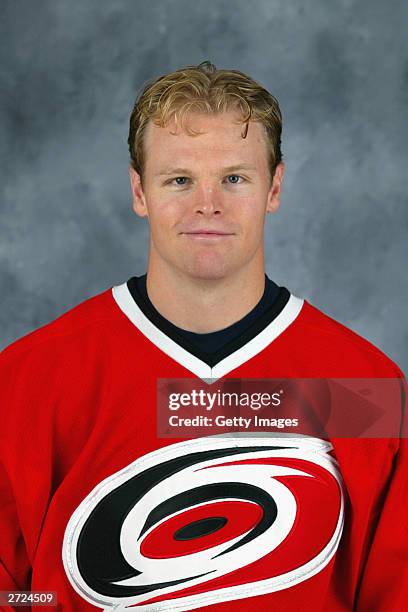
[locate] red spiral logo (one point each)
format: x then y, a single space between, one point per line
207 520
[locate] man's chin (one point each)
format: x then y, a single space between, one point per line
207 273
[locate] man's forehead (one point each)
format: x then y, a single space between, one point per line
228 124
221 140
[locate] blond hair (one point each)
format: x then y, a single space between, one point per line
206 89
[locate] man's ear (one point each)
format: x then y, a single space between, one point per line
275 189
138 197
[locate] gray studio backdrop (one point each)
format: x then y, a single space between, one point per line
70 72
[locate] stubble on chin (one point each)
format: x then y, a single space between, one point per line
206 267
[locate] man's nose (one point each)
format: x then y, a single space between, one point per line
208 200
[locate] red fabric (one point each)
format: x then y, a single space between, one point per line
78 405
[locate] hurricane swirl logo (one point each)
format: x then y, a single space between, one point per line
205 521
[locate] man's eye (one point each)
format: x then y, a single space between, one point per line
180 178
234 176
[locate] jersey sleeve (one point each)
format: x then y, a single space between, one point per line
16 502
15 570
384 581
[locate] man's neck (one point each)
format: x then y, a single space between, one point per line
204 305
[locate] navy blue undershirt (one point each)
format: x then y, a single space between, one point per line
213 341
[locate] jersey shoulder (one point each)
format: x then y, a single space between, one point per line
91 312
329 335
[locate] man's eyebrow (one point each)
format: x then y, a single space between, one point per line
170 170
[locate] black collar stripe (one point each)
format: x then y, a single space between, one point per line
209 367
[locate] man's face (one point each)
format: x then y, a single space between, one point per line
215 182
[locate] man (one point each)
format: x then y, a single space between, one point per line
100 508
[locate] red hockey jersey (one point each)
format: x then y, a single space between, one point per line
99 509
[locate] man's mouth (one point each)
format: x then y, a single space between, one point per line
209 235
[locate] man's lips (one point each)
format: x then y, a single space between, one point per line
207 233
207 236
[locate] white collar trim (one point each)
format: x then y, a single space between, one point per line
129 307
